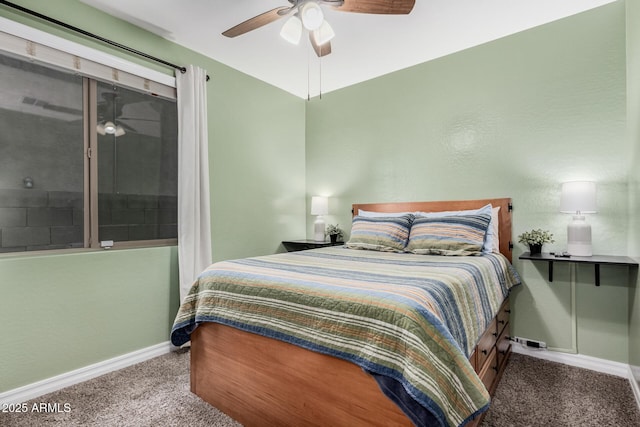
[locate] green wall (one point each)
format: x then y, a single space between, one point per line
63 312
633 128
512 118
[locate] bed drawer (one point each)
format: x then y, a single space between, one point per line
503 315
485 345
490 370
504 345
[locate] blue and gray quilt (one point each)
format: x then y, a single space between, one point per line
410 320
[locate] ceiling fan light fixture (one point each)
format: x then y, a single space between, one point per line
312 16
323 34
292 30
110 128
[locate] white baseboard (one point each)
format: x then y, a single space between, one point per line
31 391
579 360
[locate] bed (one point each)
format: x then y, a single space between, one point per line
289 339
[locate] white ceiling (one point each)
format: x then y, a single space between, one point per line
365 46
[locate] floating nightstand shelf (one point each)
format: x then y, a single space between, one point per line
596 260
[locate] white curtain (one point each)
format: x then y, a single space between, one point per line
194 226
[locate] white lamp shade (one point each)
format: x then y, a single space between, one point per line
578 197
319 205
312 15
323 34
109 128
119 131
292 30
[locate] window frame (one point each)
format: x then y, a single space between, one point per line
93 65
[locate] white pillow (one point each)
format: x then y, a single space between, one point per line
494 228
371 214
491 240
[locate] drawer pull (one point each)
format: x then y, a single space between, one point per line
484 352
495 334
501 322
507 311
495 368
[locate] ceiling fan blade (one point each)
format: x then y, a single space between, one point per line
126 126
141 119
382 7
321 50
256 22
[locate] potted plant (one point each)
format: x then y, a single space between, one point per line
334 232
535 239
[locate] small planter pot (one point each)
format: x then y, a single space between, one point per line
535 249
334 238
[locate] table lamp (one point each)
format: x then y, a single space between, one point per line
319 207
578 198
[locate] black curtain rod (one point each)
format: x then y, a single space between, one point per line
94 36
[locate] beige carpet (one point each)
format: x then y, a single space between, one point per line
156 393
152 393
536 392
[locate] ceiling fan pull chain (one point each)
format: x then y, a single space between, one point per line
308 76
320 76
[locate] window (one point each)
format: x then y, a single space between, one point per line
82 161
137 166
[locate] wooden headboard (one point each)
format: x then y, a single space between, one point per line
505 205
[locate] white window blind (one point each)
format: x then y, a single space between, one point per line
36 45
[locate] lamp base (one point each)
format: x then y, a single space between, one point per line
577 249
579 237
318 229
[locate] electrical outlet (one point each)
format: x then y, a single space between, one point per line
529 343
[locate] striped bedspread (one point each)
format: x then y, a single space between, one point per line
411 318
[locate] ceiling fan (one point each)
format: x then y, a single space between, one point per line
109 111
307 14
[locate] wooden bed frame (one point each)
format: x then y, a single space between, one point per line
260 381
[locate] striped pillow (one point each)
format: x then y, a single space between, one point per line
388 234
449 235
